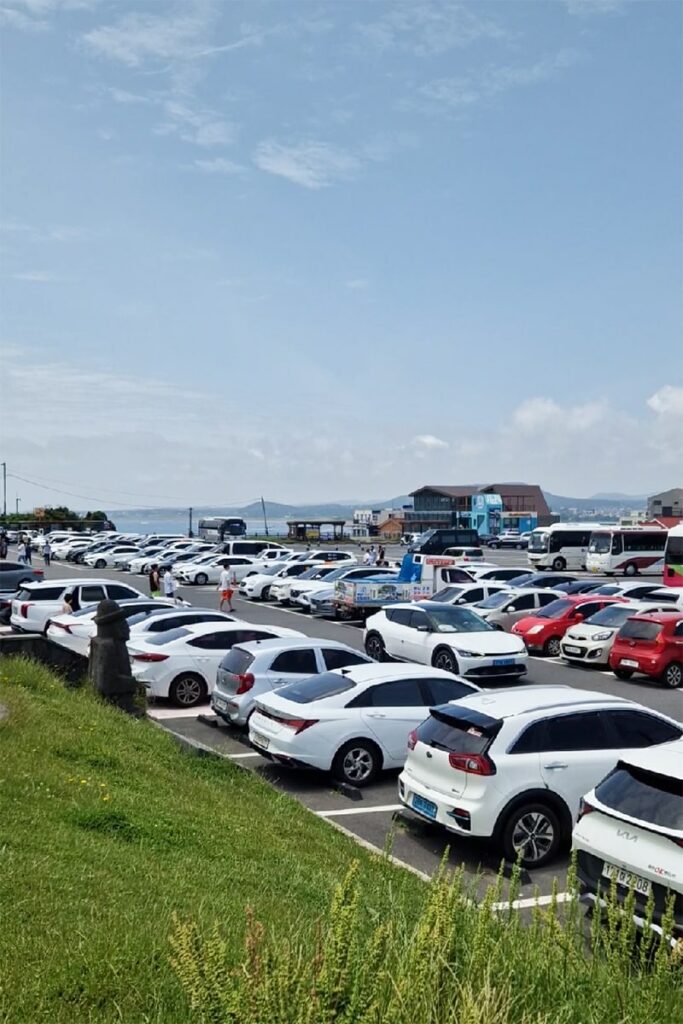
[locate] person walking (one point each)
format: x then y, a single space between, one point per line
3 545
169 584
226 586
21 551
381 555
29 549
47 551
155 581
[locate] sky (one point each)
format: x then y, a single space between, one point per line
336 251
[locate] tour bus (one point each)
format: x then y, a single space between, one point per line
613 549
560 546
218 528
673 558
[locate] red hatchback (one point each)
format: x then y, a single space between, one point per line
651 644
544 630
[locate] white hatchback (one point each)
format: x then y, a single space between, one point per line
591 641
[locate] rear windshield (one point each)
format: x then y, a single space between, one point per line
554 610
635 630
140 616
325 685
457 737
237 661
42 594
612 615
168 636
644 795
495 600
524 580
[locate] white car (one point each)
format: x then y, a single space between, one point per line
210 571
352 723
35 603
466 555
630 829
281 590
257 587
304 591
270 557
59 550
142 563
181 663
592 640
109 558
253 669
499 573
447 637
632 591
76 630
164 619
512 765
467 593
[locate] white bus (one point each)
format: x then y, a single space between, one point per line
673 558
560 546
628 551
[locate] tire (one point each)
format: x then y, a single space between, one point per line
374 647
265 594
357 763
187 690
533 832
100 564
631 569
551 648
444 658
623 673
672 676
559 564
201 579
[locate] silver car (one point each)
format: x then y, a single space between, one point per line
508 606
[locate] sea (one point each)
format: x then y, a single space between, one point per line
177 521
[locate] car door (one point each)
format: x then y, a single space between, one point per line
630 728
207 651
418 642
522 604
390 711
396 630
289 666
336 658
89 593
574 755
120 592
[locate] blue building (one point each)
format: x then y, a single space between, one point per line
487 508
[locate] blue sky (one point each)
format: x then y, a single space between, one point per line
338 250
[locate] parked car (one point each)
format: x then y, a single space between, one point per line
633 591
323 590
280 589
35 603
352 723
61 551
181 663
467 593
578 587
591 641
512 765
253 669
454 639
14 574
6 598
630 829
164 619
76 630
306 584
465 554
652 645
509 606
140 564
201 573
541 579
543 630
498 573
103 558
510 539
257 587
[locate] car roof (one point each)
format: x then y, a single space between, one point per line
514 701
661 618
293 640
71 581
662 758
198 628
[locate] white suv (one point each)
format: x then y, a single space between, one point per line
513 765
36 603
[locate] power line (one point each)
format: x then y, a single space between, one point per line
129 494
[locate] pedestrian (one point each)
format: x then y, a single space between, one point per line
70 603
155 581
3 545
226 586
21 551
366 558
169 584
381 555
47 551
373 555
28 548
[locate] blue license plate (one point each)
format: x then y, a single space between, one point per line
503 661
425 807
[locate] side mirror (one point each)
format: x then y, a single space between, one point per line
497 625
512 608
424 628
577 616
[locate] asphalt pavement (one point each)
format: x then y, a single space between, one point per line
373 815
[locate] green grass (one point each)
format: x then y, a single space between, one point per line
107 829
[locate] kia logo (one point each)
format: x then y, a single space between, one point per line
623 834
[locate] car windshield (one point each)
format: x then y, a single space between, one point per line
612 615
554 610
328 684
141 616
337 574
524 580
643 795
494 600
600 543
539 541
608 589
270 570
448 593
313 573
448 619
168 636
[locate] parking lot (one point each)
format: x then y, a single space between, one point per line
374 815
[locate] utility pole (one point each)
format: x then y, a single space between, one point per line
4 489
189 532
17 504
265 520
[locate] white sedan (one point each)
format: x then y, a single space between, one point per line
445 636
353 723
76 629
202 573
281 590
182 663
118 553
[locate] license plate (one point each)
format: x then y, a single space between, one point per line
503 661
425 807
571 650
259 741
628 663
627 879
222 705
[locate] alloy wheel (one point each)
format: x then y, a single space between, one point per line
673 675
187 691
445 660
357 764
533 836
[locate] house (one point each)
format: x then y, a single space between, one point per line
487 508
668 504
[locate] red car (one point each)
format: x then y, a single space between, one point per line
651 644
544 630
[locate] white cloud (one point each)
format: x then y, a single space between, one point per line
586 8
52 233
427 27
136 38
668 401
34 15
36 276
311 164
219 166
200 126
429 442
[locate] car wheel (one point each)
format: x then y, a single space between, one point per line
265 594
357 762
532 834
672 676
445 659
201 579
631 569
188 690
374 647
100 563
519 546
551 647
623 673
559 564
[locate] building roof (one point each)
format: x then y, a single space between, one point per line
508 490
666 522
674 494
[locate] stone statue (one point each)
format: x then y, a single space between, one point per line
109 664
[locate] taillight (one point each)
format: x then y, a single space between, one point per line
299 724
246 682
38 572
473 764
584 809
412 740
23 611
150 657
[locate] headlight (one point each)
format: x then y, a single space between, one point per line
601 636
467 654
536 629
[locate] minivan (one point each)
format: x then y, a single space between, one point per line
435 542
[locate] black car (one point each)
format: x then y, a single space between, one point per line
541 579
578 587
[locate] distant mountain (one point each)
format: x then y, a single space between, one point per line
614 502
628 498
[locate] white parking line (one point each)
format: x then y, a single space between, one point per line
240 757
359 810
533 901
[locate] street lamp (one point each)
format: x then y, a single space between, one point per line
17 504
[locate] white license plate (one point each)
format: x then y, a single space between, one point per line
571 650
259 741
627 663
222 705
627 879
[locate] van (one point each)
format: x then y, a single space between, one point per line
246 547
435 542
